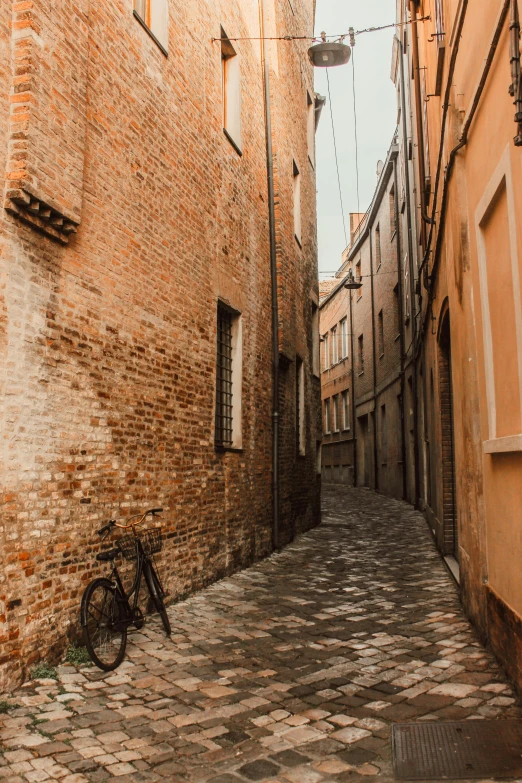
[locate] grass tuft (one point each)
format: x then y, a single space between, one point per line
42 671
78 656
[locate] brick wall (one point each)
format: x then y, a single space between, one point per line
108 343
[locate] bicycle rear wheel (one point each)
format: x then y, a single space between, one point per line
156 593
103 626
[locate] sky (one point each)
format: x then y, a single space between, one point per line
376 110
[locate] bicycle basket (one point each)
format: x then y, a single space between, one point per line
127 546
151 541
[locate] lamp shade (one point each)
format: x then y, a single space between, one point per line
328 55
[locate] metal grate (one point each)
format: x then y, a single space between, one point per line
469 750
223 434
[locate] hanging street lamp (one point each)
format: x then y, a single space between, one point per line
329 54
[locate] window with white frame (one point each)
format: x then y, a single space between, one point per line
327 417
297 202
326 351
231 90
154 16
315 340
346 409
229 376
378 256
335 346
336 422
344 338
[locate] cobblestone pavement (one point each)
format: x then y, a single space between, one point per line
289 672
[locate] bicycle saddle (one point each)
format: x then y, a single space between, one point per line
109 555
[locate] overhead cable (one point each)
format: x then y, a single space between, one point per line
336 158
339 37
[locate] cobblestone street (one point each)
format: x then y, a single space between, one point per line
291 671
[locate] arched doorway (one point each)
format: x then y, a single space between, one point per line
450 541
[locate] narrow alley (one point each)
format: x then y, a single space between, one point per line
290 671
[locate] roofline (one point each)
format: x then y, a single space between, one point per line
386 173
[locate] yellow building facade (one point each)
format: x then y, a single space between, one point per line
456 66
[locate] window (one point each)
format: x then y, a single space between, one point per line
344 338
346 409
299 408
358 277
228 378
336 421
384 436
327 417
439 21
380 333
310 127
315 340
335 346
361 354
297 203
154 16
378 246
326 351
231 88
397 310
393 217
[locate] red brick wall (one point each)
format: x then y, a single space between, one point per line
108 343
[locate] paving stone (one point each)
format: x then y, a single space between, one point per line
259 770
295 668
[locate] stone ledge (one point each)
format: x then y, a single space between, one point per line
40 215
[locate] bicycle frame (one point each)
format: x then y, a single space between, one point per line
122 596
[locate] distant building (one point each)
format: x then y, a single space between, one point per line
365 372
136 298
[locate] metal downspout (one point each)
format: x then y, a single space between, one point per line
374 356
354 417
412 280
402 342
273 277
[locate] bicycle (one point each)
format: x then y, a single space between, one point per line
106 610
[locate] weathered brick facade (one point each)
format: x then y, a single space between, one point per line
128 215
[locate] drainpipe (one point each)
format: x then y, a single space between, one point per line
402 341
374 357
412 278
418 117
354 417
516 86
273 277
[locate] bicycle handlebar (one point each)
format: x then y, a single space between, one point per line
112 522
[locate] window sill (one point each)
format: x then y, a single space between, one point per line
231 140
224 449
507 445
312 164
381 355
298 241
149 31
393 235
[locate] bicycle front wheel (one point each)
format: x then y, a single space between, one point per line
103 626
156 593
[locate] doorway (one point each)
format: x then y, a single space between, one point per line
449 509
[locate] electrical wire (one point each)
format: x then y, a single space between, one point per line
336 158
339 37
355 133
